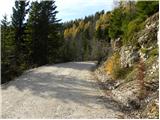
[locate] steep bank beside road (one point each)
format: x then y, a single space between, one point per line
130 74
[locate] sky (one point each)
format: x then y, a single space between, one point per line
68 9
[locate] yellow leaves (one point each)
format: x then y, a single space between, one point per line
87 25
103 21
153 108
97 24
81 24
111 64
71 32
66 33
104 18
74 30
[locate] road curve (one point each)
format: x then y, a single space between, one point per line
66 90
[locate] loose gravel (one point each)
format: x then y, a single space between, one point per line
67 90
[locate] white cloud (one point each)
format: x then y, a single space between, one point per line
6 7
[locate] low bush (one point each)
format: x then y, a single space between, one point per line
133 27
132 75
144 50
113 67
150 61
112 63
121 73
154 52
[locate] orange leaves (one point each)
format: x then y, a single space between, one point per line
111 64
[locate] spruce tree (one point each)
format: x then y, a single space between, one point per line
45 27
5 46
4 32
19 12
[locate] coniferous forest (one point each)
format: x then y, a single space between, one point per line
36 37
104 65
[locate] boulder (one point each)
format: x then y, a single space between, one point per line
127 95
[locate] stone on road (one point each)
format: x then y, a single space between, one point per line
66 90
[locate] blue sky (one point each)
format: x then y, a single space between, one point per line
68 9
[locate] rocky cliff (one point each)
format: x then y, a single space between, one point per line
130 73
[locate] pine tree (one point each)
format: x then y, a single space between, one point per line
19 12
45 28
4 34
5 48
147 8
8 70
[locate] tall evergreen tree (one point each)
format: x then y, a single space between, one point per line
4 43
7 51
4 30
44 26
19 12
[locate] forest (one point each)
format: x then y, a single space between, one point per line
36 37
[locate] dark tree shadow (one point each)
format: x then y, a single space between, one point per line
62 87
78 65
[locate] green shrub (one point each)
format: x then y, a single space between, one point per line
132 75
121 73
147 7
23 67
150 61
154 52
144 50
133 27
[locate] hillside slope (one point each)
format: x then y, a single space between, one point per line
130 74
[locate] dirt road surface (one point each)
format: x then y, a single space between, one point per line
67 90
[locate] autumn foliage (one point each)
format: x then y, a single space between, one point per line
112 64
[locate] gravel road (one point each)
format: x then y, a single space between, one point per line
66 90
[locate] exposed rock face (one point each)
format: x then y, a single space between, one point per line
129 56
151 110
147 38
142 55
153 69
128 92
117 44
152 76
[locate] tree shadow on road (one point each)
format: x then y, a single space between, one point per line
78 65
62 87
